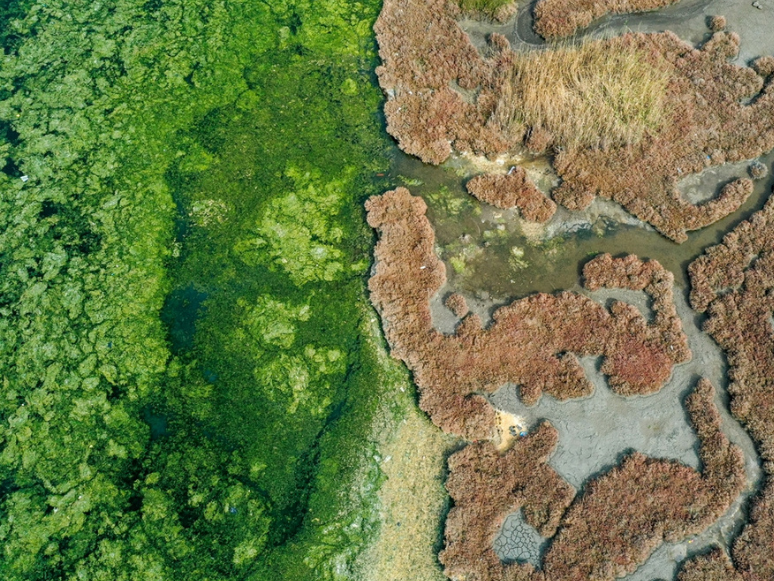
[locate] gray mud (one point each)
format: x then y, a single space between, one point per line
596 432
519 542
688 19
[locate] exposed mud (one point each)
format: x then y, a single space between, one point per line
594 433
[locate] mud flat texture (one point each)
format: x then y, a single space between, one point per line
596 432
611 528
444 95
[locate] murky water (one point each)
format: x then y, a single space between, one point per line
494 254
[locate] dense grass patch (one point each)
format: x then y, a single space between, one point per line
586 95
488 7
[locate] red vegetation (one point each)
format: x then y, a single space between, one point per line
425 54
714 566
558 18
513 190
457 304
443 94
532 342
764 66
734 283
717 23
609 531
486 487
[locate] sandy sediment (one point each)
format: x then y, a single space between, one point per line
412 502
513 190
559 18
733 283
443 95
533 342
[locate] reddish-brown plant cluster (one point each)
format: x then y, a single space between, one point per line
717 23
559 18
610 530
734 283
486 487
533 342
443 95
439 87
713 566
513 190
457 304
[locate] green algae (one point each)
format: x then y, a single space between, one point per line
188 244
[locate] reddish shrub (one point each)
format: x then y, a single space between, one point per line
609 531
717 23
513 190
486 487
734 283
457 304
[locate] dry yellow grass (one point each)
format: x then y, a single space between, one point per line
587 95
413 500
497 9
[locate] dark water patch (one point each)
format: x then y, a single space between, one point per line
180 313
157 421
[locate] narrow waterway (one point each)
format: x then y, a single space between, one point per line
494 255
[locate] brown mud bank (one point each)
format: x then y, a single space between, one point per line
444 96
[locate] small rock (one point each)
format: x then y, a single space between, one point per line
757 5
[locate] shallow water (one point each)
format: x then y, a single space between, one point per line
482 238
